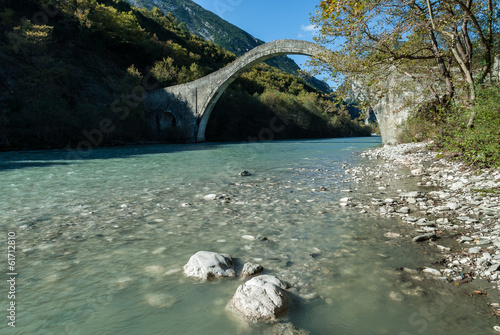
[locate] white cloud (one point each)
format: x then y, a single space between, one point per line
310 28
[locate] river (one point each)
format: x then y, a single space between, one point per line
101 242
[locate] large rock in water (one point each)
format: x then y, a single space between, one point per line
262 298
206 264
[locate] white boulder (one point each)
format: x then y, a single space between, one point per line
262 298
206 264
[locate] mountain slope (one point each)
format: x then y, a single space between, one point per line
209 26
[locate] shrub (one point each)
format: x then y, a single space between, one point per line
479 145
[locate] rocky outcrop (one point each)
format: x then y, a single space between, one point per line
261 299
206 264
395 105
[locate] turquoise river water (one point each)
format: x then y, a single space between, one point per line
101 242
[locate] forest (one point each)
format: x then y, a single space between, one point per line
65 63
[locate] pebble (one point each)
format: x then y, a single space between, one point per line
425 224
431 271
424 237
248 237
209 197
457 203
403 210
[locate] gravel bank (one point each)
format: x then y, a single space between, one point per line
453 207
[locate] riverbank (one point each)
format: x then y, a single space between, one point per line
454 208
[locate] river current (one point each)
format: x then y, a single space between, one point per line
101 241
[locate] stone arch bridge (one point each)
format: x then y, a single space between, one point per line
187 107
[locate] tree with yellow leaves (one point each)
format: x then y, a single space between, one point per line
445 47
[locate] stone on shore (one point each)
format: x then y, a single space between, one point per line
431 271
206 264
261 299
403 210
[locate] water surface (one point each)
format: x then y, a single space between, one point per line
102 241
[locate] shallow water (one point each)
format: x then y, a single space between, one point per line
102 240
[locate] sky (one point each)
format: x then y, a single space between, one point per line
268 20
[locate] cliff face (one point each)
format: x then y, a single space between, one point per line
393 108
401 99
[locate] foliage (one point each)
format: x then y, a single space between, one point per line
262 105
69 64
61 77
479 145
210 26
440 46
447 126
425 122
165 71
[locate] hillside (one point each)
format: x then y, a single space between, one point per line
211 27
92 63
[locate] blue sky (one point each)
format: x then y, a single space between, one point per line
268 20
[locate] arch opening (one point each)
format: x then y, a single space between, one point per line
253 57
165 120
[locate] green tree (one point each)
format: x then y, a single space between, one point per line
165 71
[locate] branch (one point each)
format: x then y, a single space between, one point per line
422 83
431 14
473 18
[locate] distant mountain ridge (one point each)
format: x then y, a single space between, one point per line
210 26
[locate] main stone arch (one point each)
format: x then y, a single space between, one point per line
192 103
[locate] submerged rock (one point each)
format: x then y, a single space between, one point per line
285 329
206 264
262 298
160 300
424 237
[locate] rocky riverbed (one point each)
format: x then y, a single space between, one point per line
453 207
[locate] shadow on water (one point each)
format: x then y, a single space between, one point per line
44 158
